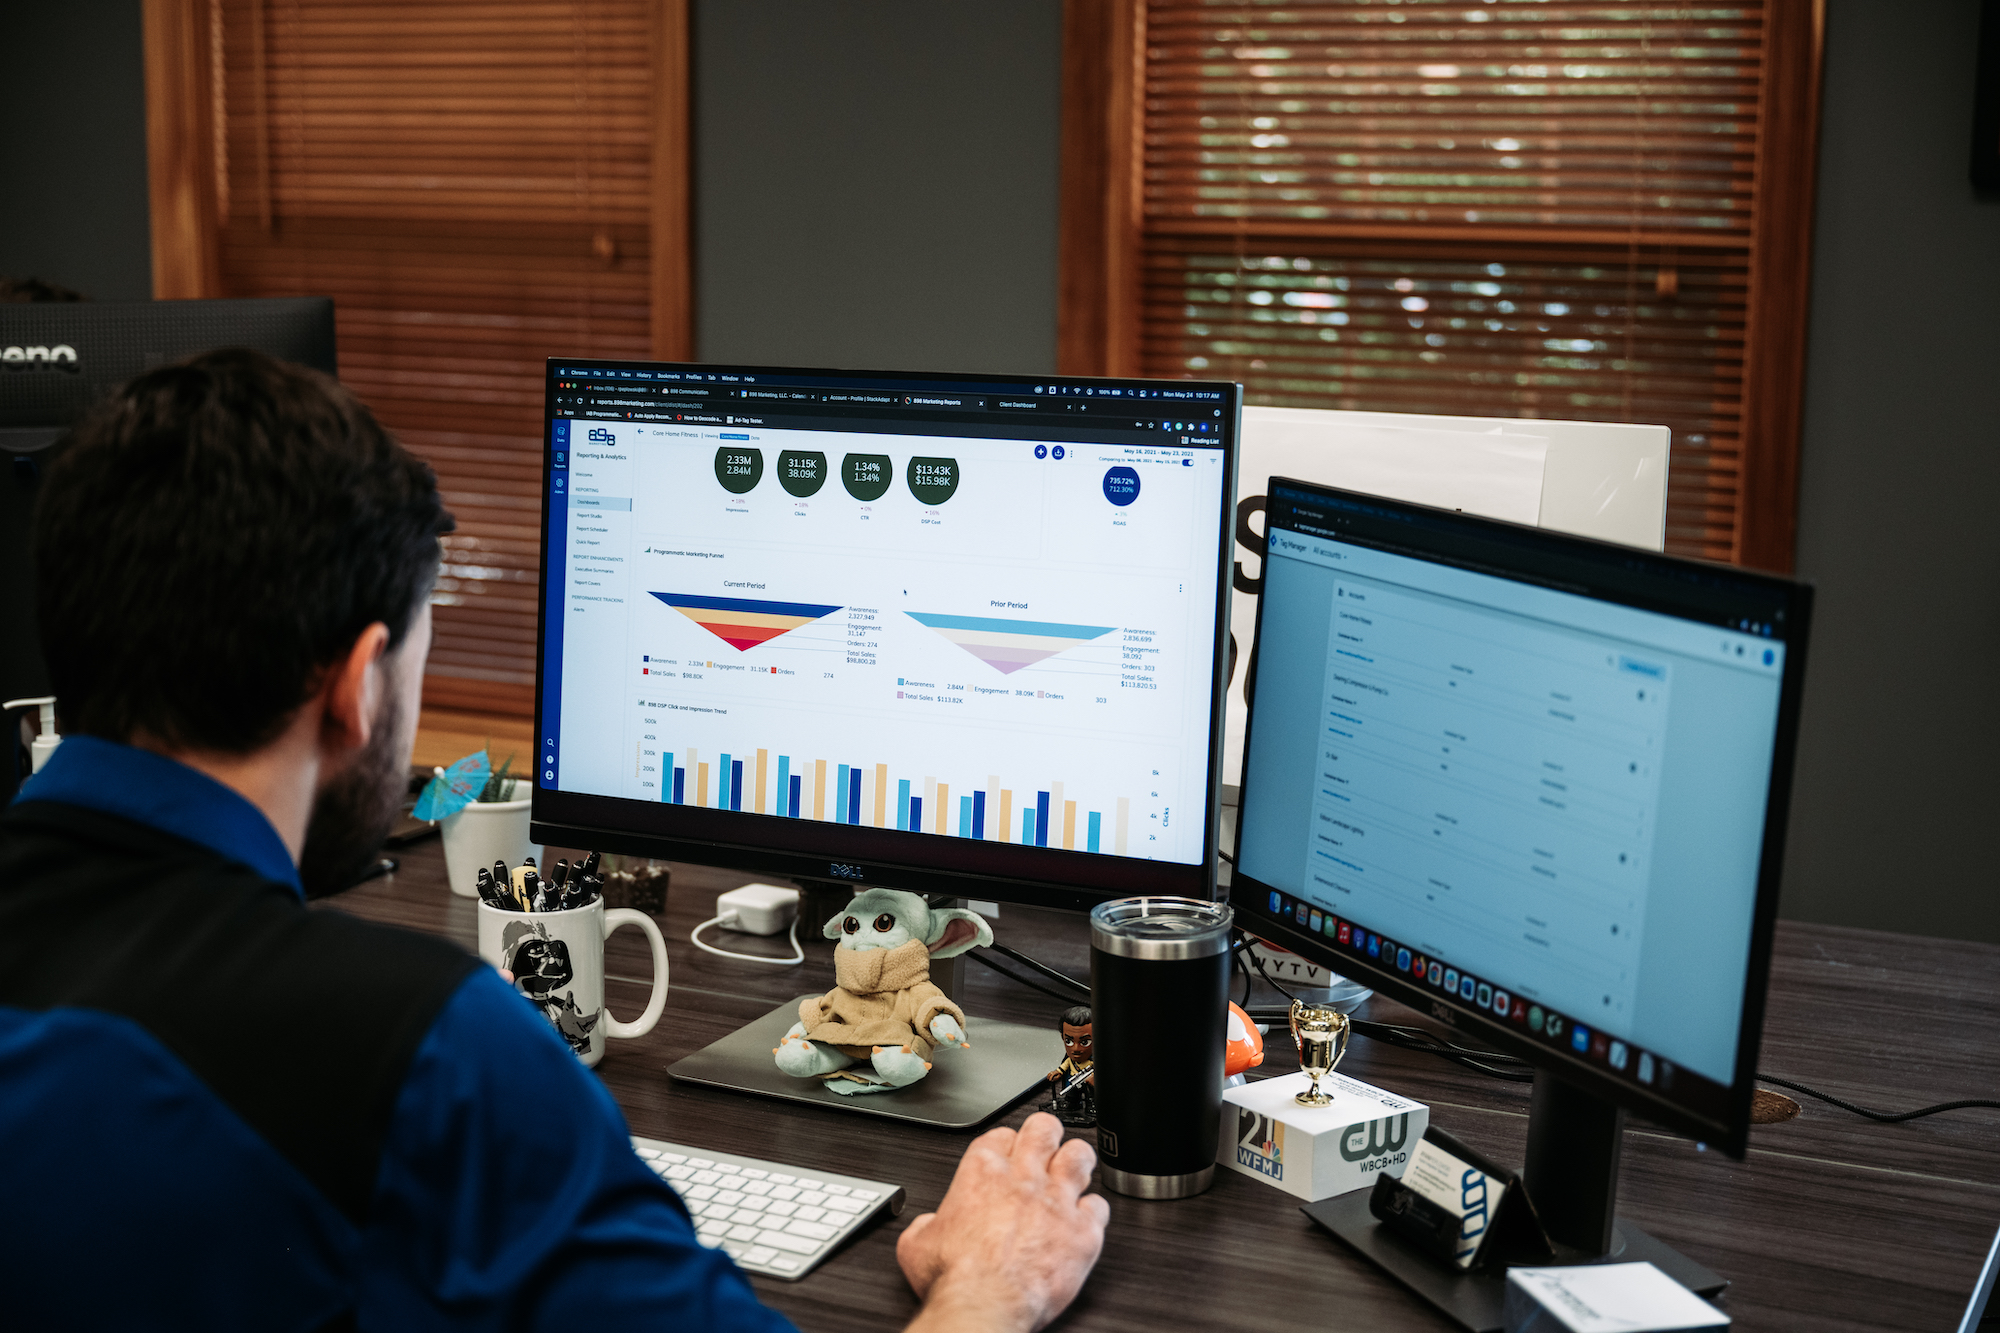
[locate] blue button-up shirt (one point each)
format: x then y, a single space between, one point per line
508 1194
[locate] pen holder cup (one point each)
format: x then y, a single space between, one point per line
556 959
485 832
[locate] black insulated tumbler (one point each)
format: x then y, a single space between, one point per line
1159 1001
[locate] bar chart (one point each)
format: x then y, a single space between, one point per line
870 795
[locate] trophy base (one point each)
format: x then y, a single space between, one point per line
1313 1098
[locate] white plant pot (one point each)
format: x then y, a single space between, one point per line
485 832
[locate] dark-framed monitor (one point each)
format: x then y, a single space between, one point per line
57 359
954 634
1531 784
1534 786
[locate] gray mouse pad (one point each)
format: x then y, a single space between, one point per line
1003 1063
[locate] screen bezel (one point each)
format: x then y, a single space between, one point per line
1729 1130
891 858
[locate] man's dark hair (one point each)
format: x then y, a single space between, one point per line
216 535
1077 1016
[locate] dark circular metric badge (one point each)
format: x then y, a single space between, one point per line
801 473
1121 486
867 476
739 468
933 480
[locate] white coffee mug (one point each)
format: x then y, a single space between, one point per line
557 960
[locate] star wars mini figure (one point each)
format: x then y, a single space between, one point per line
1074 1089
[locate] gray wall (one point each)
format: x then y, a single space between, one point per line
1899 760
73 153
875 184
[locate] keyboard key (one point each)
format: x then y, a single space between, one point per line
782 1209
782 1178
735 1249
757 1186
810 1214
731 1197
865 1194
680 1173
786 1192
715 1214
812 1230
649 1153
699 1161
673 1157
848 1206
700 1192
784 1265
710 1227
726 1168
834 1189
706 1177
812 1197
742 1232
760 1254
754 1205
796 1244
752 1173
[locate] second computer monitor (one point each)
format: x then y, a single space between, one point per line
1533 784
948 634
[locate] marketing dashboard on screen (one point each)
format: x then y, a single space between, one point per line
984 612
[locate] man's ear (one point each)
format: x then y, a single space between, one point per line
352 690
957 930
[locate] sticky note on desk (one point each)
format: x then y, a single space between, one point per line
1603 1298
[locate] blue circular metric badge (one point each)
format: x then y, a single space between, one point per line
1121 486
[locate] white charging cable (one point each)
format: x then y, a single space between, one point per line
730 919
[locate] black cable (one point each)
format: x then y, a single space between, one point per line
1225 856
984 961
1042 968
1885 1117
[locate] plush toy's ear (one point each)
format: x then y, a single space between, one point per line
955 930
832 930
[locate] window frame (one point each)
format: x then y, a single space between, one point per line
1103 234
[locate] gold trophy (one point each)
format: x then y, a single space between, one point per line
1321 1036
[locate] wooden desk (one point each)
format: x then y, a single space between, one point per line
1833 1223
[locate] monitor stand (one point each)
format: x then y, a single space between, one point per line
1572 1174
1001 1064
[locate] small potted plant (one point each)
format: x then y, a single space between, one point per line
483 815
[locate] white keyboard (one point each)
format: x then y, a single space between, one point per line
772 1219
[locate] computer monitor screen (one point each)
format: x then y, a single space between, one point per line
1532 784
948 634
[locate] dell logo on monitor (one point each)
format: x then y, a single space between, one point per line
598 435
60 357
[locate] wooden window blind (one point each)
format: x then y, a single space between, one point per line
1522 208
478 184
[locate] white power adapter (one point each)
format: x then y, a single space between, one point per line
754 909
757 909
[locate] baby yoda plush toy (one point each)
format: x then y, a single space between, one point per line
883 1008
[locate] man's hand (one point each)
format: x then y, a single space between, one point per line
1013 1240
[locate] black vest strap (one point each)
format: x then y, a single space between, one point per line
303 1022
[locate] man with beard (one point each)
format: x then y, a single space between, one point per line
224 1111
